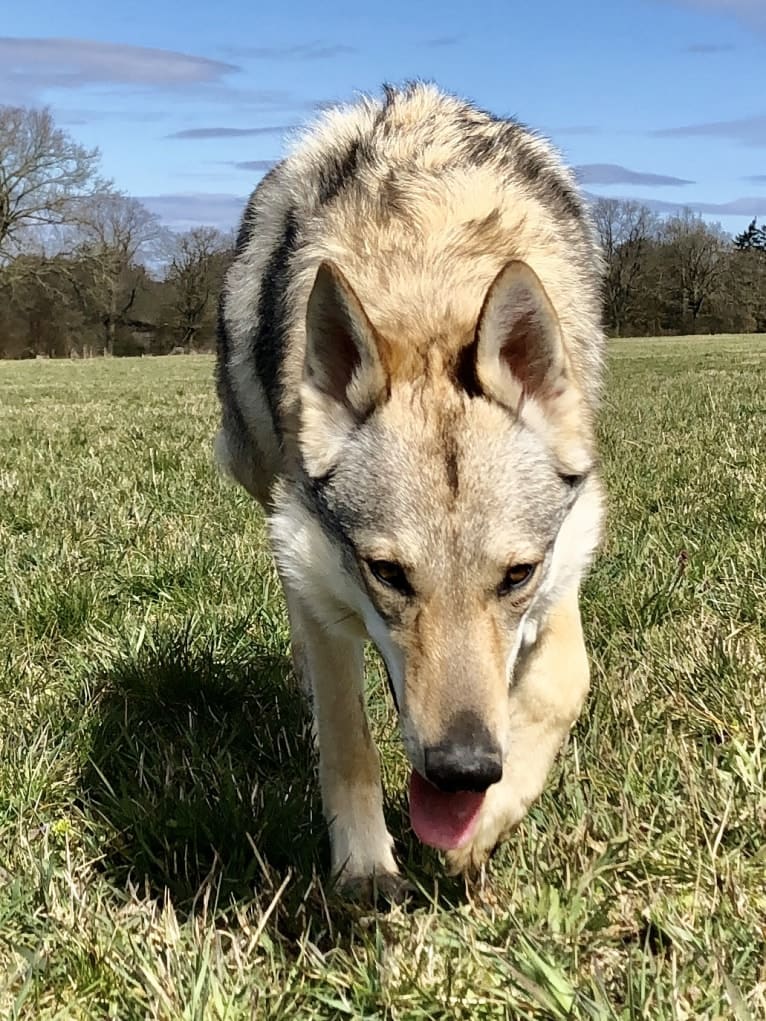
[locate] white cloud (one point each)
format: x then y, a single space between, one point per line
184 210
748 206
612 173
751 12
29 67
749 131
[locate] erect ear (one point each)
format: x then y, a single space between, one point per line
519 350
342 348
343 375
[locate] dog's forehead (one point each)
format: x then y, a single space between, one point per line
460 476
467 450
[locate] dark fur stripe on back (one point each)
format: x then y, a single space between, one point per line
335 175
247 224
269 339
245 232
226 395
498 141
508 145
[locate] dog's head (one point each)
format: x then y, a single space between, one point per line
443 508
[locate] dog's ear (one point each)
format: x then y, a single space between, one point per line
519 349
342 348
520 354
343 375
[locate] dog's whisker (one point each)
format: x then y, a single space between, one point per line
343 619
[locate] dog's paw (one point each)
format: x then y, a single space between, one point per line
389 887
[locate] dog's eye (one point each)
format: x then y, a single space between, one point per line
390 574
516 577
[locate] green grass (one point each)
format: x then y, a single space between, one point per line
162 852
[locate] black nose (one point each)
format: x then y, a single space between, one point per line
458 767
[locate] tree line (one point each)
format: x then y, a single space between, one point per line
678 274
86 270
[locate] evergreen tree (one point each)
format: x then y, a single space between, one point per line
752 238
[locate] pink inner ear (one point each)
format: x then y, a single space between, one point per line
338 356
526 352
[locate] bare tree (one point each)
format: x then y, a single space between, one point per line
625 230
36 303
44 175
195 275
115 234
696 255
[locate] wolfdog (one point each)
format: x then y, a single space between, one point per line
409 367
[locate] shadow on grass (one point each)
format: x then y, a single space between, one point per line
203 772
203 776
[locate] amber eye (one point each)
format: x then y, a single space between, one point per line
391 575
515 578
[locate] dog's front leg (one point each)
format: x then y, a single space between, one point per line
550 686
349 765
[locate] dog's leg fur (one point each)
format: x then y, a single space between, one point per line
298 646
349 765
546 699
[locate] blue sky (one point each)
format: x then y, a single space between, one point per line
659 100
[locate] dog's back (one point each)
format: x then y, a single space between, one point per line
420 199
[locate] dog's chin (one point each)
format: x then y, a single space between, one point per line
446 821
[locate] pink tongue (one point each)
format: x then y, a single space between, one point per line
446 821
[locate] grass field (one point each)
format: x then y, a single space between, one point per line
161 842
